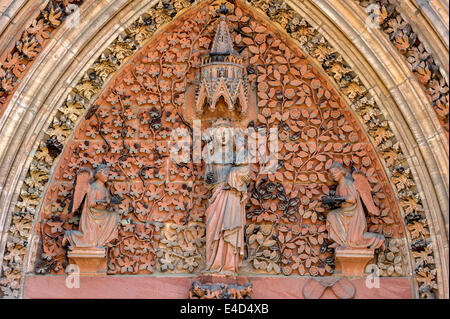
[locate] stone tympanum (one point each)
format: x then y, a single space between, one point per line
225 214
98 224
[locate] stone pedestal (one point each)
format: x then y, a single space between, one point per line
90 261
352 261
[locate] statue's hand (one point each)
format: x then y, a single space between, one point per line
246 178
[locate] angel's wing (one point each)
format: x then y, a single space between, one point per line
363 187
81 186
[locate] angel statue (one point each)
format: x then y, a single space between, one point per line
347 225
227 175
98 225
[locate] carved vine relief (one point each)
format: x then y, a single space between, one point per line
417 56
162 214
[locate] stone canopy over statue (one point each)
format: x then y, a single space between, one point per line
223 87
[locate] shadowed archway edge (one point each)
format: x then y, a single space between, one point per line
19 159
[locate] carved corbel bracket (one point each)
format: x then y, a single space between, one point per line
220 287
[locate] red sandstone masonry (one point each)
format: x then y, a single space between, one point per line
154 287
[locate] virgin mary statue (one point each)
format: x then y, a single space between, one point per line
227 177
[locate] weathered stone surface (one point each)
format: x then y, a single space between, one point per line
91 262
132 287
352 262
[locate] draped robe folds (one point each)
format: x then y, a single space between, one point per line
347 226
226 220
97 226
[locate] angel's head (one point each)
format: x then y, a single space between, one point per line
338 172
101 173
221 141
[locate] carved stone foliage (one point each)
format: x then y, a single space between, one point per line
130 131
315 129
419 59
15 63
167 217
51 146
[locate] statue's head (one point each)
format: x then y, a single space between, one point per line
337 171
101 173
